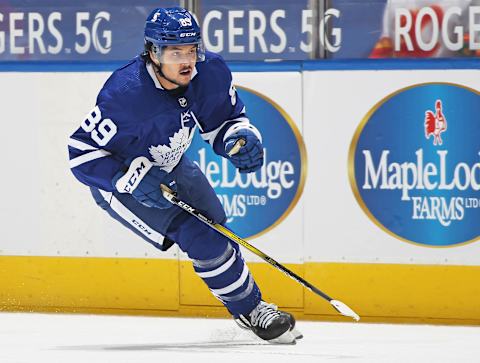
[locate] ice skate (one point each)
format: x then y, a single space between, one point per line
270 324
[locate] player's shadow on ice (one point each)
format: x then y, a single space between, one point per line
227 346
184 347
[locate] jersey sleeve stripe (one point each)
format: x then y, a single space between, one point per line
242 125
80 145
85 158
210 136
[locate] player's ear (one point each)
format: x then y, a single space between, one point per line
152 57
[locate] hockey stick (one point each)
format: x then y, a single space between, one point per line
337 304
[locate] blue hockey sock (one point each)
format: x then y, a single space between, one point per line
219 263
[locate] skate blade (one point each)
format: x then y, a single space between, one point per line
296 333
286 338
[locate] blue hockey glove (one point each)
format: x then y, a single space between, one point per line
142 180
250 156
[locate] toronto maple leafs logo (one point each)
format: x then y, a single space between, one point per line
168 156
435 123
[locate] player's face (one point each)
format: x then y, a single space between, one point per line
177 64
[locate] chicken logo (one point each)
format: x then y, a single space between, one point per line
435 123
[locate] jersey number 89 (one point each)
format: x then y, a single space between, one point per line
100 130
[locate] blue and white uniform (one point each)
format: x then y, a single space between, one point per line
134 116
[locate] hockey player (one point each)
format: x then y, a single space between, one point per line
135 138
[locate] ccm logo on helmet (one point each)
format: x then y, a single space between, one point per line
182 35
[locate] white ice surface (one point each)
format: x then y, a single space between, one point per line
52 338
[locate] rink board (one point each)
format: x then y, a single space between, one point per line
378 292
68 284
60 252
344 229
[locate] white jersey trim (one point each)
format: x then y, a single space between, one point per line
194 73
85 158
212 135
196 121
152 74
80 145
127 215
242 125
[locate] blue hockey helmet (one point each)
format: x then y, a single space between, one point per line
173 26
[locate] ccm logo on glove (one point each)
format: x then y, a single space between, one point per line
139 167
142 180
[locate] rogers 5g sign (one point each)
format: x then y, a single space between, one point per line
112 30
24 34
270 30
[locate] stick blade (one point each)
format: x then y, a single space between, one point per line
344 309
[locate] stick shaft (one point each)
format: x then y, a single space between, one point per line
233 237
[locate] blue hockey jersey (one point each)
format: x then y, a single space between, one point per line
134 116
